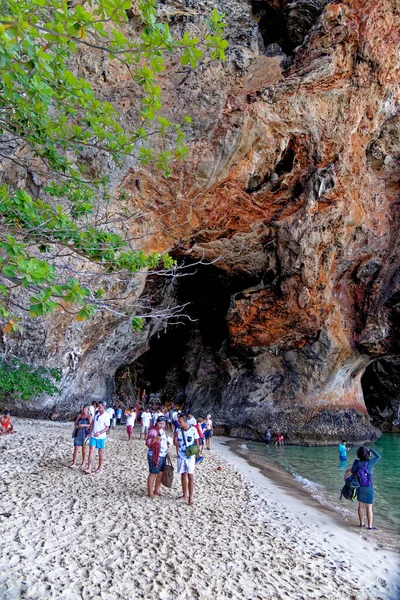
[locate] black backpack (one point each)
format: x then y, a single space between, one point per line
349 490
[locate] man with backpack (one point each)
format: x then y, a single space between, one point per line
362 469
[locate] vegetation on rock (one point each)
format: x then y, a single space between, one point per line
51 241
18 380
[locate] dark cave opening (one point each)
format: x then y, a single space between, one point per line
207 291
284 23
271 23
381 388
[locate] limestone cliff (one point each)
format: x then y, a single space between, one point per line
292 189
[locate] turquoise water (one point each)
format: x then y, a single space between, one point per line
320 472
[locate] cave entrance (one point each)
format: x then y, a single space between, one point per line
175 353
381 388
285 23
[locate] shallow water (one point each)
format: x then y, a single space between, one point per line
320 473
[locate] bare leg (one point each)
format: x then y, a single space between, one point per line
158 484
101 458
361 513
150 484
368 508
191 486
83 454
184 480
75 454
90 460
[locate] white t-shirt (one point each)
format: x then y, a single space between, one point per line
92 410
130 419
146 416
192 421
110 411
100 422
163 446
191 436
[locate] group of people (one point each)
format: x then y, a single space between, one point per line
279 441
190 436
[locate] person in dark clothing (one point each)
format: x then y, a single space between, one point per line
362 468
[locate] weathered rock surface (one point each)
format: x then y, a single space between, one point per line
292 187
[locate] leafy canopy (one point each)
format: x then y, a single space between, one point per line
49 116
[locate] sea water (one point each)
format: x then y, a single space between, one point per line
320 473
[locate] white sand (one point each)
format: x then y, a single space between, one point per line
65 535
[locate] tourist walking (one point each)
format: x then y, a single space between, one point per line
186 436
81 432
130 421
208 431
362 468
157 444
98 434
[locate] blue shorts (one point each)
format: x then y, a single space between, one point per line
208 434
155 470
99 444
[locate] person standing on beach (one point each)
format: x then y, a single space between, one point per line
111 414
185 436
82 427
191 420
362 469
98 434
208 431
93 409
146 418
157 444
130 421
342 450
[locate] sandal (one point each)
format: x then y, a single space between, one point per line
371 528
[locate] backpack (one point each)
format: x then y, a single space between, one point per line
364 476
349 490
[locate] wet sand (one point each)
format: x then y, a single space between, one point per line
66 535
344 512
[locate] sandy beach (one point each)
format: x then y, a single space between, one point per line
66 535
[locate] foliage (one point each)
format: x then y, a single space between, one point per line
20 380
49 116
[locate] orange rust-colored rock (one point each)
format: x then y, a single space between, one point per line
292 188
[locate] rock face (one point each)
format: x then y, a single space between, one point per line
291 190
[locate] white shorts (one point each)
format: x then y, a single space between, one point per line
144 429
186 465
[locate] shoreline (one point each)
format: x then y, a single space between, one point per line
69 536
345 515
276 484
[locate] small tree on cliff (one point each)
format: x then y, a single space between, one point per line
49 116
